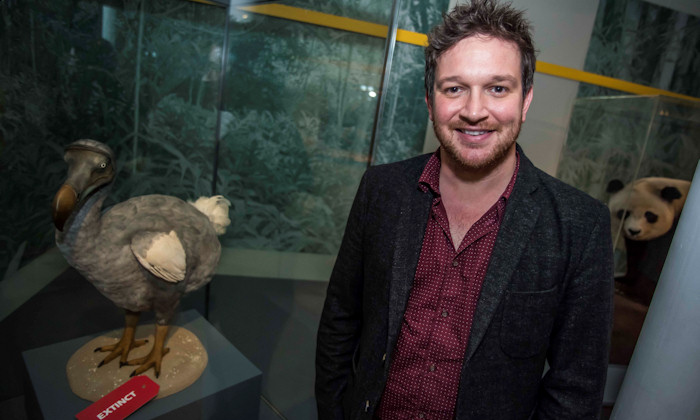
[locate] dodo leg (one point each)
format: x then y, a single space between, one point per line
122 348
154 358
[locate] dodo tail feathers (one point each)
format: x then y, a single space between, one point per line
216 209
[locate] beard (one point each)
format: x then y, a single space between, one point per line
498 153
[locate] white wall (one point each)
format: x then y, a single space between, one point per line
562 31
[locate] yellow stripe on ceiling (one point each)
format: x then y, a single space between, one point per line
411 37
320 19
415 38
604 81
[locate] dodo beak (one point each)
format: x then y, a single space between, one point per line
63 205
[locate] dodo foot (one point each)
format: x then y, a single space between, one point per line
153 360
120 349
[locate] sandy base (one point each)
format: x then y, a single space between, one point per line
180 367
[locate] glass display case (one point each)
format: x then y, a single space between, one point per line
614 141
283 131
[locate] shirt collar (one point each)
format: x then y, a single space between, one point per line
430 178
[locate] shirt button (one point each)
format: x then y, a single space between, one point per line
421 415
455 263
444 314
432 367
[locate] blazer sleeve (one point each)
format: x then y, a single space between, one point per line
341 319
578 355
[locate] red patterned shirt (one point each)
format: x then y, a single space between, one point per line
427 362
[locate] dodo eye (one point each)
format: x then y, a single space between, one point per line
103 165
651 217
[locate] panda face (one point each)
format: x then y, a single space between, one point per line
650 216
642 214
643 224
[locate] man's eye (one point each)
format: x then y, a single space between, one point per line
452 89
499 90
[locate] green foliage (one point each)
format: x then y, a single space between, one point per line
295 130
644 43
403 123
623 137
368 10
281 188
627 138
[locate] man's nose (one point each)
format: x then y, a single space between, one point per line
474 108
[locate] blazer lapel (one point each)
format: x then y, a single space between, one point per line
413 214
518 222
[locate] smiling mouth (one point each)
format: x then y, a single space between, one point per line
474 132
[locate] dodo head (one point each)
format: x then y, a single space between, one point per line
90 166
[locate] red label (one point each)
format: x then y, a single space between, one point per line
120 403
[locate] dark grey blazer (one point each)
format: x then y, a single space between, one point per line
547 295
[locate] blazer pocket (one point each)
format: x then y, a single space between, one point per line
527 322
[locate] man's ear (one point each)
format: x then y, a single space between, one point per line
526 103
429 104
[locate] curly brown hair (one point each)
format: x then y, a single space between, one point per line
485 18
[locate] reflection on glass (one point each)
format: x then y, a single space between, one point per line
405 117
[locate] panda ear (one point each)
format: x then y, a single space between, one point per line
670 193
615 185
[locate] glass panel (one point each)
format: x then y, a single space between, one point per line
405 118
298 130
144 78
128 74
628 139
63 81
606 140
644 43
297 125
375 11
167 145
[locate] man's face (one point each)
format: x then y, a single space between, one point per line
478 105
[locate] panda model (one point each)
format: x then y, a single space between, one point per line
645 212
648 207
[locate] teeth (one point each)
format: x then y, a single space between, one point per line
473 133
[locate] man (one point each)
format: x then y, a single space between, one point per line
462 272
